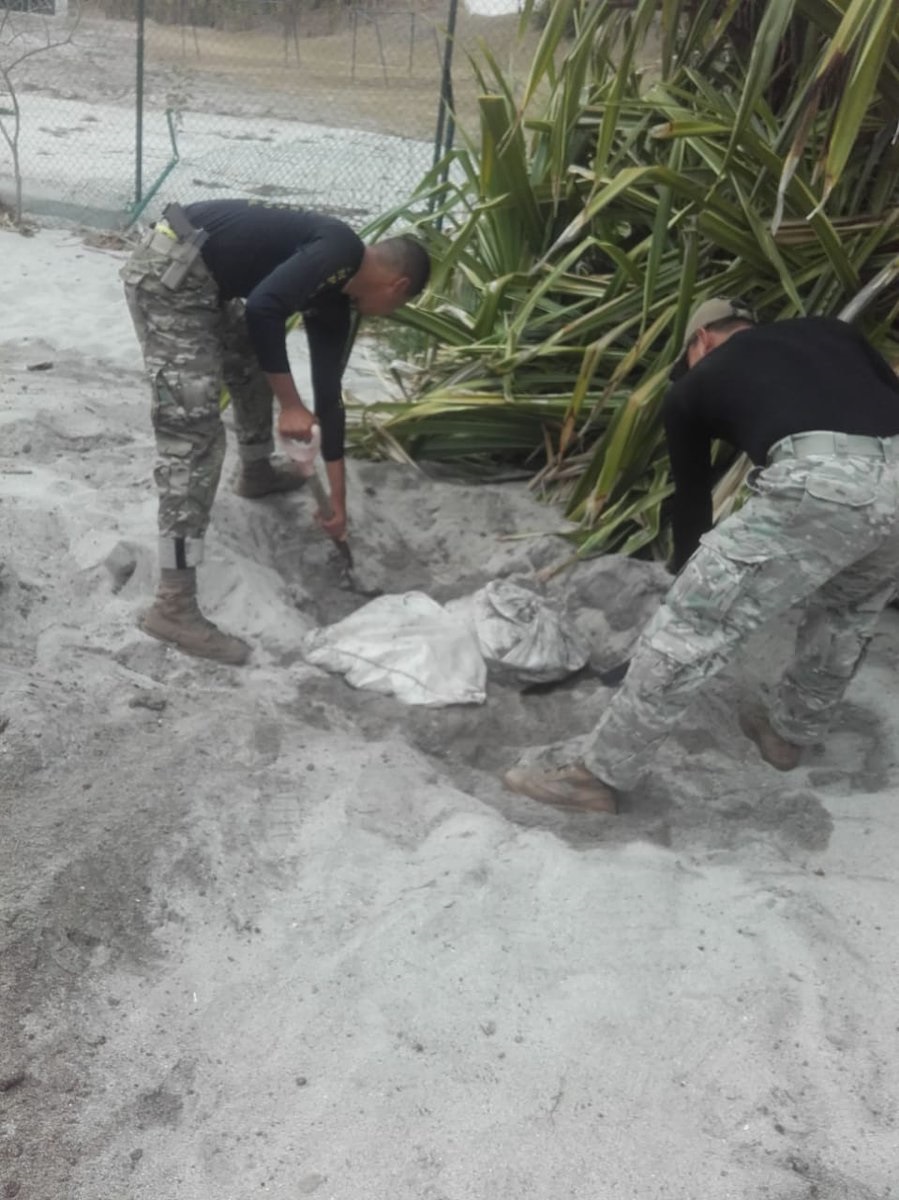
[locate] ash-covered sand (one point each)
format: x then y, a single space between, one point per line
265 935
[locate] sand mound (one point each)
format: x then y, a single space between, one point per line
265 935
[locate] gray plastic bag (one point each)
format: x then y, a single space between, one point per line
522 638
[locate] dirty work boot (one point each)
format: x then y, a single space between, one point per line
773 748
263 478
572 788
175 618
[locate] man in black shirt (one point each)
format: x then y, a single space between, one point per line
210 290
816 409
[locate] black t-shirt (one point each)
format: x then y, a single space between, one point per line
284 261
763 384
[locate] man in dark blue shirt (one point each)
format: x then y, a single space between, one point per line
817 410
210 290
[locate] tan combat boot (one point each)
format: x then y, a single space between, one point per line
773 748
263 478
572 787
175 618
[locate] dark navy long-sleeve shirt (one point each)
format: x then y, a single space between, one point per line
763 384
284 261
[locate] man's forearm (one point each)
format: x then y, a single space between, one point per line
285 391
337 484
691 517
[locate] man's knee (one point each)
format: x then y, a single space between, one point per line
678 651
190 440
710 585
184 402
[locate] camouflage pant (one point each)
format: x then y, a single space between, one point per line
821 530
193 344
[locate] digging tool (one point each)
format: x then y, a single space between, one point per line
304 455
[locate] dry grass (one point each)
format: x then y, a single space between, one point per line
384 75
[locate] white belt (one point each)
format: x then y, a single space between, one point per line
805 445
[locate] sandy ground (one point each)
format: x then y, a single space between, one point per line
265 935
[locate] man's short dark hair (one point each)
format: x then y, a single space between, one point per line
408 257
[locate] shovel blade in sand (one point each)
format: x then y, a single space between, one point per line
304 455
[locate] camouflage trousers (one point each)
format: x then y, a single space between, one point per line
193 344
821 530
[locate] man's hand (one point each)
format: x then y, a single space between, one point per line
335 525
297 423
295 420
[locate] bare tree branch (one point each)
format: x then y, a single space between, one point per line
12 33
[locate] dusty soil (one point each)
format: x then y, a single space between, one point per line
265 935
384 77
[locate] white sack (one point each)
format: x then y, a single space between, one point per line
522 639
407 646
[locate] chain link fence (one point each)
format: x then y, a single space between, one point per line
116 108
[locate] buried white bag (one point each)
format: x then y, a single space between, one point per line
407 646
522 639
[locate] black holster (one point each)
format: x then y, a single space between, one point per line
185 250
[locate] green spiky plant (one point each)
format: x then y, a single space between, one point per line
663 154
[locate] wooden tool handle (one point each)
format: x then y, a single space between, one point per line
322 499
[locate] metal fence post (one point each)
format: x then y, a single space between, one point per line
371 151
139 108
